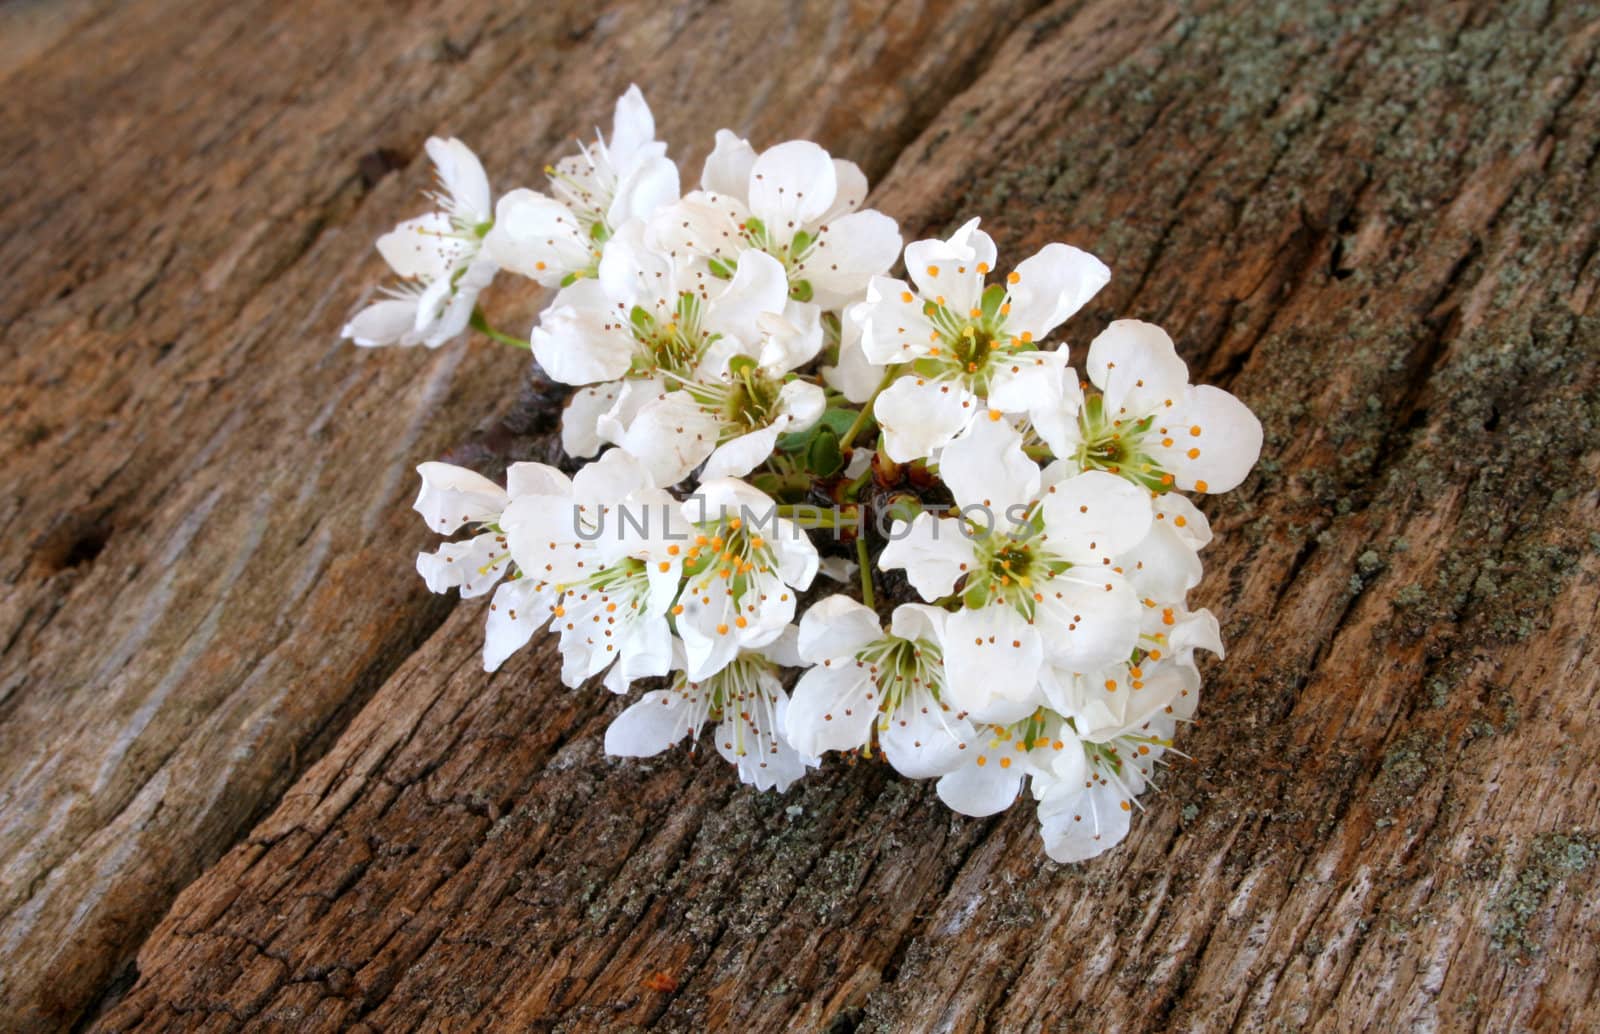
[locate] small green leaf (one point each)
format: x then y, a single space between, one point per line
822 455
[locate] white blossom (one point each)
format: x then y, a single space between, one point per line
867 685
746 702
792 201
453 497
967 348
1034 569
1148 423
559 237
607 542
437 257
742 571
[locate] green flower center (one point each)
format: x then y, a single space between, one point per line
1120 446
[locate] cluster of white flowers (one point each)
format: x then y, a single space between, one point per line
751 383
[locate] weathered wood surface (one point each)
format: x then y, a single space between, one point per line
1376 224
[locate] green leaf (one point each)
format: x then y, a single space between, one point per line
836 420
823 457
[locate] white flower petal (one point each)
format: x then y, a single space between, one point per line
672 434
611 479
830 709
923 739
1184 517
950 269
851 190
463 178
894 328
797 555
849 250
536 479
577 340
538 237
1057 423
981 789
991 659
760 285
452 496
1089 619
649 187
791 339
661 718
933 552
1137 368
727 168
1216 440
473 565
987 468
517 611
919 417
388 322
580 420
737 457
425 248
803 403
837 568
701 223
1162 566
1079 823
633 128
792 182
635 394
764 758
1051 286
1029 380
836 627
915 621
1095 515
855 376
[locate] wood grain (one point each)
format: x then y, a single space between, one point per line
1374 222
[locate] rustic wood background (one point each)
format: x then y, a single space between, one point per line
251 776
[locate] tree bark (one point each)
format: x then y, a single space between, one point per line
238 739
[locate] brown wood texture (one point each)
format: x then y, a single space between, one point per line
251 776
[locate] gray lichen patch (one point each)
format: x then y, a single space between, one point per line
1551 861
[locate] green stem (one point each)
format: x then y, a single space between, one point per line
859 424
809 517
480 323
865 563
